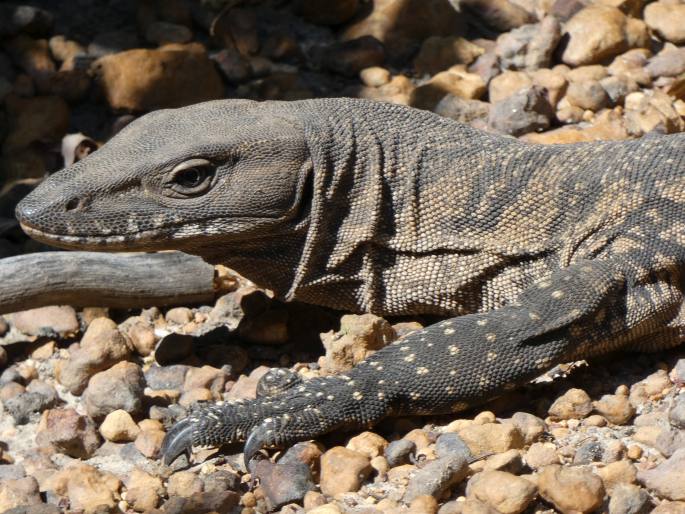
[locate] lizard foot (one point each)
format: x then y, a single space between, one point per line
304 411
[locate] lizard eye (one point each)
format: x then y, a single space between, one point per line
192 177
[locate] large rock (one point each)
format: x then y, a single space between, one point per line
505 492
143 491
571 489
283 483
463 110
47 321
436 477
68 432
600 32
502 15
401 25
491 438
88 490
530 46
120 387
668 478
37 119
455 81
507 84
651 111
33 56
439 53
144 80
20 492
667 19
343 470
526 111
573 404
101 346
359 337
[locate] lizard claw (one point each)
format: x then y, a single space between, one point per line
255 442
177 441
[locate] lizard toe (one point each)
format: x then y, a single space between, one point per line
277 381
177 441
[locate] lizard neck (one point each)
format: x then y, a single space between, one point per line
376 170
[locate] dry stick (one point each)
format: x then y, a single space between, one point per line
92 279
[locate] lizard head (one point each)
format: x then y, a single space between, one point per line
234 168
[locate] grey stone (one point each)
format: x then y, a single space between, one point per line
450 444
529 47
667 479
526 111
399 452
283 483
436 477
676 414
166 377
463 110
629 499
22 406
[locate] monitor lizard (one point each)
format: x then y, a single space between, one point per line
533 255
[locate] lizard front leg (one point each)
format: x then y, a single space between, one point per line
443 368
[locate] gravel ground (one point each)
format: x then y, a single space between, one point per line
87 395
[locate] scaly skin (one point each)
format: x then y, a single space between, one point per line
536 254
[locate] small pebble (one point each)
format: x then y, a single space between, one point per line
573 404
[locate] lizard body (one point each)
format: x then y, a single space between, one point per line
535 254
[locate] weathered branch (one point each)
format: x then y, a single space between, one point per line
91 279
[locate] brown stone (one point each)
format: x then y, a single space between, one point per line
101 346
55 319
491 437
502 491
142 338
398 91
454 81
368 443
401 24
573 404
118 426
508 84
68 432
599 32
184 483
615 473
648 111
571 489
33 56
144 80
667 479
119 387
358 338
375 76
20 492
615 408
541 454
64 49
343 470
89 489
439 53
149 443
143 491
666 19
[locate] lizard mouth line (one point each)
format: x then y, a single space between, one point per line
160 238
79 240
